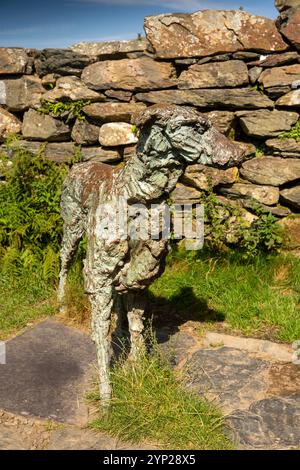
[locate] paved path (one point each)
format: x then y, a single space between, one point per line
49 369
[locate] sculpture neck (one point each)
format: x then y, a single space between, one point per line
145 179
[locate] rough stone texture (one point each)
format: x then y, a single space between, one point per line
275 92
290 99
291 197
280 76
116 133
254 74
106 112
119 95
47 372
282 5
276 60
185 195
222 120
239 98
22 93
269 423
212 372
265 123
209 32
291 226
64 151
215 75
273 171
203 177
290 27
38 126
61 61
129 74
265 194
284 147
73 89
13 61
110 49
84 133
9 124
101 155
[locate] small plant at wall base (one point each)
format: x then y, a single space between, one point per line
226 227
67 108
294 133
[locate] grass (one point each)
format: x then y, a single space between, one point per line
24 299
256 298
150 404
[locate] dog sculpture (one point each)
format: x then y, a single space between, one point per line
170 138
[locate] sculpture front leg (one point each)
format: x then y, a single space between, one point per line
102 304
135 314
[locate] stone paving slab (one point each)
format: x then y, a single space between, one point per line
47 371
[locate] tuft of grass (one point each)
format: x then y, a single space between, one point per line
258 297
293 133
150 404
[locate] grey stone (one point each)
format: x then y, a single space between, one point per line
230 375
289 26
110 49
210 32
276 60
273 171
185 195
265 123
203 177
13 61
254 74
84 133
275 92
245 55
280 76
61 61
291 99
129 74
39 126
101 155
282 5
284 147
213 75
272 423
117 133
119 95
9 124
46 373
22 93
222 120
239 98
72 89
291 197
106 112
265 194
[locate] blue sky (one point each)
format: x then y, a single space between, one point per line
60 23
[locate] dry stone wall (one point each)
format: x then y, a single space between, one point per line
242 70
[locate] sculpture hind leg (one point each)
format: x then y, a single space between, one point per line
135 314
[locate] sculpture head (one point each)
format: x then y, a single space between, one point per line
185 134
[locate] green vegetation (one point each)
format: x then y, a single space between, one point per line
258 87
258 297
64 108
226 225
150 404
294 133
